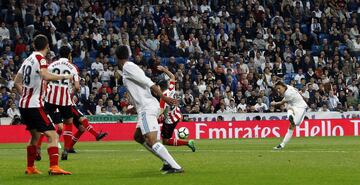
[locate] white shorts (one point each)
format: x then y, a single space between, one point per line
147 121
297 113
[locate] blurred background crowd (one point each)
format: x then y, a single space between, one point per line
225 54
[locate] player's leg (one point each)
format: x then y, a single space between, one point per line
296 116
167 131
38 147
149 127
32 153
139 138
48 128
31 148
81 130
85 122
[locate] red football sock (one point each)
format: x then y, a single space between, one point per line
67 136
38 144
75 138
177 142
53 155
89 128
31 155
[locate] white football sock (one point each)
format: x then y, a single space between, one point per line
164 154
287 137
153 152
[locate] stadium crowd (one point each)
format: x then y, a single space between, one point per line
226 55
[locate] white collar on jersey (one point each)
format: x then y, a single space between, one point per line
38 53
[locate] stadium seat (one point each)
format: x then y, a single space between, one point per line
342 48
322 36
315 50
304 29
79 63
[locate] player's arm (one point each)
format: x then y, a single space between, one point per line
46 75
77 82
156 90
283 101
18 82
165 70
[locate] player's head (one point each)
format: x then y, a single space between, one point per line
41 43
122 52
161 82
64 52
280 87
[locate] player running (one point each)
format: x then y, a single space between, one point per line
147 107
58 97
172 113
29 82
296 109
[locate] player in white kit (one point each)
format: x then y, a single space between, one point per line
140 87
296 107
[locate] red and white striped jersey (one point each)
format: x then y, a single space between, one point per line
172 113
33 90
59 92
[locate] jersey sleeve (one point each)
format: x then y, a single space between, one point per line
162 104
42 62
137 74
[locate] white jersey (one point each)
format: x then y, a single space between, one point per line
32 83
59 92
293 98
138 85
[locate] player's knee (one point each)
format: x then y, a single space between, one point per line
139 138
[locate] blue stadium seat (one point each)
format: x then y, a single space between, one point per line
79 63
315 50
164 61
180 60
93 54
342 48
322 36
304 29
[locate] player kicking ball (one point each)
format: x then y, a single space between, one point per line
296 109
147 106
172 113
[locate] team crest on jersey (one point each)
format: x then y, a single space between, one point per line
43 62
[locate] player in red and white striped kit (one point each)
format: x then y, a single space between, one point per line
30 83
172 113
59 97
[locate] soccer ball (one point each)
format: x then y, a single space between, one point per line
183 132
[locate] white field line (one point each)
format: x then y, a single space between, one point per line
216 151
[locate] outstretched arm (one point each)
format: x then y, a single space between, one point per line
156 90
165 70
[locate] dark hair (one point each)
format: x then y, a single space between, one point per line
64 52
122 52
280 83
40 42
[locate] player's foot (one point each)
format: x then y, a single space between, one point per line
101 135
278 147
165 167
173 170
191 145
72 151
291 119
32 171
64 155
56 170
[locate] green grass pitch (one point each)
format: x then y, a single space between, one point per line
330 161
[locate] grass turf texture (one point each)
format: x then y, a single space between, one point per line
332 160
